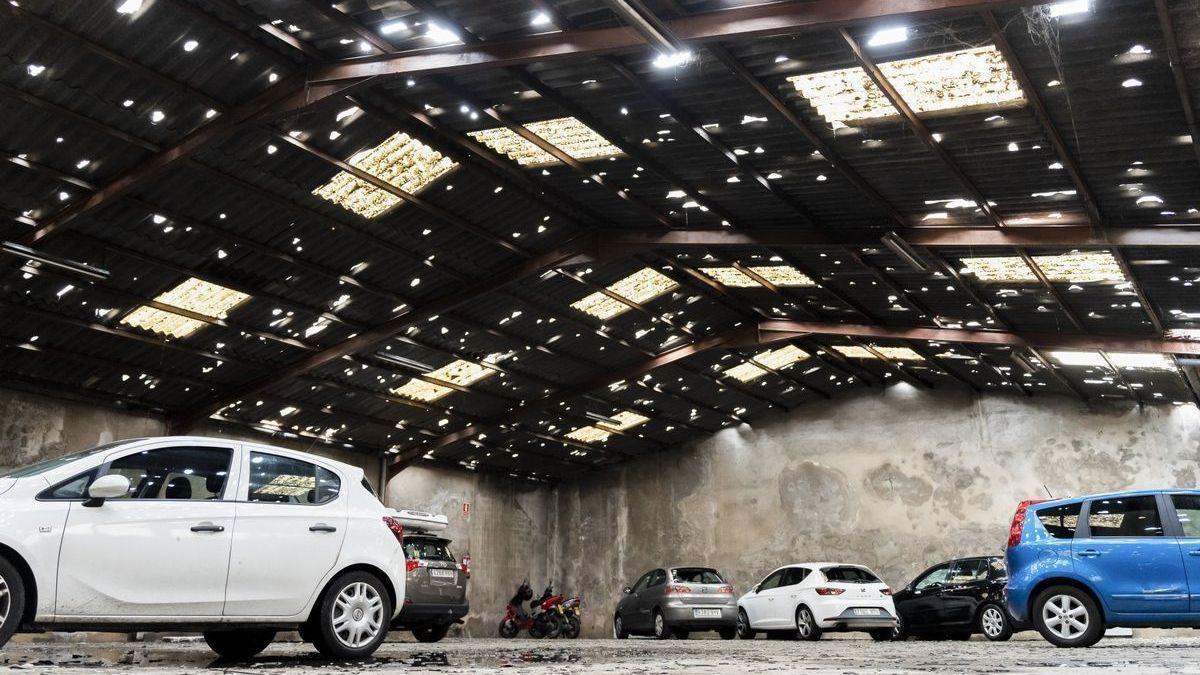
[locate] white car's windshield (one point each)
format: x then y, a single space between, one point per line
53 463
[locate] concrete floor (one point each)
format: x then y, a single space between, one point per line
532 657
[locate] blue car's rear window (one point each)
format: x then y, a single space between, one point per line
1060 521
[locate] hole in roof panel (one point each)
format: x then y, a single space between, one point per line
400 160
961 80
193 295
565 133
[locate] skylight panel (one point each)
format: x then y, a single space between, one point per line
565 133
1092 359
400 160
951 81
891 353
779 275
1098 266
461 372
599 432
775 359
193 295
1190 334
639 287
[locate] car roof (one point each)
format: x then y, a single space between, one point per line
1111 495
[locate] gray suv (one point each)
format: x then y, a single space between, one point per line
675 601
435 595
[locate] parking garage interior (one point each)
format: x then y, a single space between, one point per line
618 284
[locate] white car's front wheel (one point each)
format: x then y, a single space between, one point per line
12 600
353 617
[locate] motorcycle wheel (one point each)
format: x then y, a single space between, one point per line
508 629
572 629
537 631
554 625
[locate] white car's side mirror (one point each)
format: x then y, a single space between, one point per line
107 487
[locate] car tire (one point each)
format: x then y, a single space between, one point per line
881 634
728 633
619 631
431 633
353 617
661 630
994 623
806 624
238 645
12 600
899 631
1067 617
744 631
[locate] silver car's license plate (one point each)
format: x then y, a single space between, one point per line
706 613
867 611
444 574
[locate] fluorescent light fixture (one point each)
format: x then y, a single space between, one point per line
640 287
888 36
672 59
393 27
1070 7
194 295
400 160
84 269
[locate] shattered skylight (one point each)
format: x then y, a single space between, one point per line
775 359
779 275
1067 268
639 287
891 353
565 133
599 432
460 372
193 295
401 160
1091 359
959 80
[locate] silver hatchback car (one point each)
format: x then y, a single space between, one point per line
676 601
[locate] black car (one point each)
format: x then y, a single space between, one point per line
956 599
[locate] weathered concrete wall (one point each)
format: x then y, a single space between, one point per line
896 481
506 532
33 428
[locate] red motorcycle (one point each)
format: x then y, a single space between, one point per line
546 619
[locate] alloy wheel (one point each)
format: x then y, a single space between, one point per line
5 601
993 622
804 623
898 629
617 627
1065 616
660 625
357 615
743 624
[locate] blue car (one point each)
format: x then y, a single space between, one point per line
1078 566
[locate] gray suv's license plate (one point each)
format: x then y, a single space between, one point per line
442 574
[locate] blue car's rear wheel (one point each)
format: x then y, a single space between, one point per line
1067 617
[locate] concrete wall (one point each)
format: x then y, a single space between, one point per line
897 481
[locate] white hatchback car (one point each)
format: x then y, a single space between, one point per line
807 599
231 539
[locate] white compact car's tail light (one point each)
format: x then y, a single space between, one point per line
825 590
885 591
396 528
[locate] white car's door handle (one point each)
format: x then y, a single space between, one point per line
322 527
208 527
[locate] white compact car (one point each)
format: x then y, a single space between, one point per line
807 599
231 539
